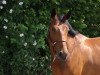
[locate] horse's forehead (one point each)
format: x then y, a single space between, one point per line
63 26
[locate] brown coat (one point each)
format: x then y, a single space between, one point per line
83 59
72 55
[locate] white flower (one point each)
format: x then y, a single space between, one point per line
6 20
21 35
33 36
1 7
11 10
34 43
20 3
5 27
46 57
6 36
42 65
74 20
33 59
25 56
3 51
82 20
25 44
3 2
15 27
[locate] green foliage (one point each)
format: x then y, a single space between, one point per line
23 29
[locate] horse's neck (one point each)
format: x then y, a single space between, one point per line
75 41
81 38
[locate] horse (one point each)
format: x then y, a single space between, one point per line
72 53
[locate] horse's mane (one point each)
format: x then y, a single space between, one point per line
71 31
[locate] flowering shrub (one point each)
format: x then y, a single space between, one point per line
22 49
23 30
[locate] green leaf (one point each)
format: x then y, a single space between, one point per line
82 26
13 40
22 28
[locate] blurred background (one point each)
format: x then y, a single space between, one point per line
23 30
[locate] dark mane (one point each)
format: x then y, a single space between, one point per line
71 32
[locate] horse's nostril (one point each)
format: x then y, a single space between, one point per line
62 55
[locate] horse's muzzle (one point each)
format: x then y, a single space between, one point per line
62 55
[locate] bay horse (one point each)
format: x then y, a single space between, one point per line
72 53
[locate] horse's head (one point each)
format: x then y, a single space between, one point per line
59 31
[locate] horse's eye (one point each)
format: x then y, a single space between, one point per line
53 29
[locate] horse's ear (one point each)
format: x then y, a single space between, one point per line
66 16
53 13
54 16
